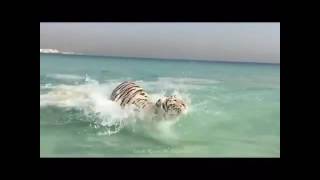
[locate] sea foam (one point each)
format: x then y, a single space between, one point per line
92 99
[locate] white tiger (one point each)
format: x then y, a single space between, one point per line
170 107
129 93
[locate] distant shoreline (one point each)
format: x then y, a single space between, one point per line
171 59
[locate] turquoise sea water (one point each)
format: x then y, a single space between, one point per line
234 108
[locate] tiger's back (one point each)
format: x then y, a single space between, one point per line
129 93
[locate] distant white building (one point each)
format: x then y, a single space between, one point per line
55 51
49 51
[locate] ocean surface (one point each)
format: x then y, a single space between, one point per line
233 108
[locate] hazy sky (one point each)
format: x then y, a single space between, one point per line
253 42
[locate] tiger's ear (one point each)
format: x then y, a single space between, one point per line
158 103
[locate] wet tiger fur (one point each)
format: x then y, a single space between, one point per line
170 107
129 93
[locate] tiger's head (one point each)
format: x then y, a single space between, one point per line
170 107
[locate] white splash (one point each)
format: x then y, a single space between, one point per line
65 76
92 98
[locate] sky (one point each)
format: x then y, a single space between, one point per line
243 42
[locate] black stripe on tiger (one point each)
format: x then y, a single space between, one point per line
120 88
138 102
163 107
127 93
166 103
133 95
123 91
117 88
123 88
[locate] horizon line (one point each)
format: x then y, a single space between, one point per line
151 58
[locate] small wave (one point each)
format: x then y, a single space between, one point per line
189 80
45 86
180 84
65 76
